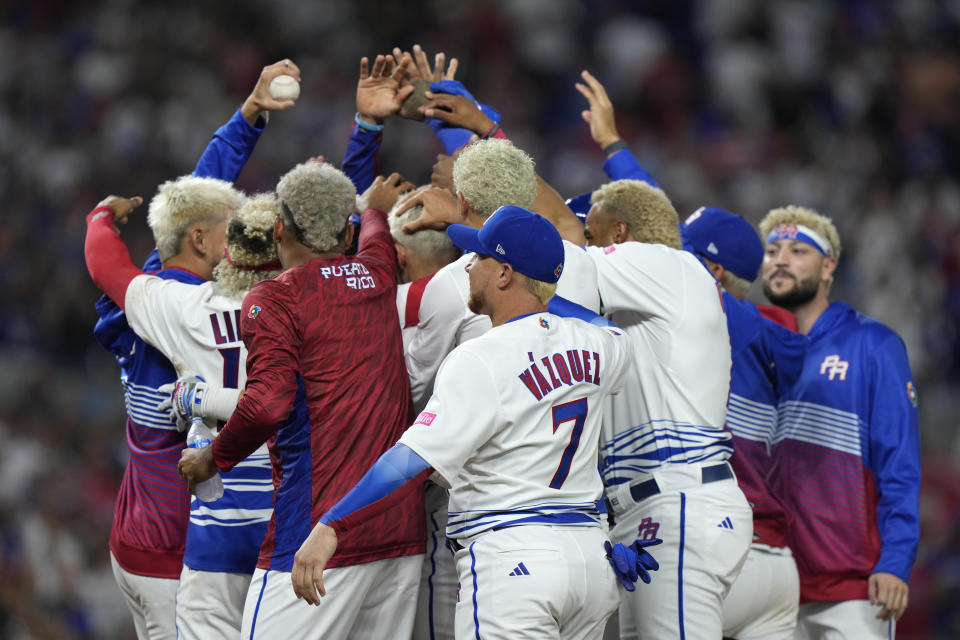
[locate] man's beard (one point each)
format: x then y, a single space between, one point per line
802 292
475 303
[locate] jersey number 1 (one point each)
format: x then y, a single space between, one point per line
576 411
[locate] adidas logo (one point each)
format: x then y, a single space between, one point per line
500 250
726 524
712 248
520 570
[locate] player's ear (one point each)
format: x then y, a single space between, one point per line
348 236
505 276
193 240
277 229
621 232
401 254
827 268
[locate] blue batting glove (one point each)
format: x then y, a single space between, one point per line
624 562
645 561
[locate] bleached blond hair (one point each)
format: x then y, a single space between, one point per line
647 210
428 243
249 244
792 214
316 200
187 202
542 290
494 173
735 284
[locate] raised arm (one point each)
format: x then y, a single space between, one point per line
107 257
379 96
620 162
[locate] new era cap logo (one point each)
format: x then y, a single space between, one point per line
712 248
500 250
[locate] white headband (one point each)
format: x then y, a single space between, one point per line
803 234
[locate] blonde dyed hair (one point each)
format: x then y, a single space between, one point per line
542 290
735 284
249 244
320 199
187 202
494 173
647 210
428 243
792 214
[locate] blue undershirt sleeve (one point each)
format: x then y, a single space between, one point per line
395 468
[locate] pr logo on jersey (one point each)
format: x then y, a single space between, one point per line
834 367
544 323
912 394
647 529
425 418
253 312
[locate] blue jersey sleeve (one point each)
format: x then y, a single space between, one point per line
623 165
394 469
894 446
229 149
361 160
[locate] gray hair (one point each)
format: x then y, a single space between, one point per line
186 202
494 173
428 243
250 247
317 199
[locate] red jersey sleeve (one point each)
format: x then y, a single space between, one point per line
108 259
270 332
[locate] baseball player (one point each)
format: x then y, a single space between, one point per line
766 360
665 455
323 340
511 428
197 326
847 450
152 509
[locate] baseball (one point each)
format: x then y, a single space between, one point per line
284 88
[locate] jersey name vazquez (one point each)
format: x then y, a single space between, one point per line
576 365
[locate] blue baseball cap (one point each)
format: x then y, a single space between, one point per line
525 240
724 238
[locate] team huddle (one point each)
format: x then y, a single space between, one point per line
476 410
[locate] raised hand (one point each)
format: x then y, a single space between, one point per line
420 75
259 102
122 208
458 111
383 193
600 116
379 94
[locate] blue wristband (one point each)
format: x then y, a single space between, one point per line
366 126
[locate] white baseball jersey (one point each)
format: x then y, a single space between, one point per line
434 316
670 307
513 423
197 327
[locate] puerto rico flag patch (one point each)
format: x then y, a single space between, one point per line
425 418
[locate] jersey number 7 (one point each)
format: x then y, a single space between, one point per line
576 411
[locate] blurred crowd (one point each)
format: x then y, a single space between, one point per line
849 107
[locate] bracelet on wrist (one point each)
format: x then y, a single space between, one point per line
366 126
492 132
613 147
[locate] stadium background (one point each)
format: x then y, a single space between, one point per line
848 106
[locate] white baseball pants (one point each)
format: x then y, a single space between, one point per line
763 602
152 603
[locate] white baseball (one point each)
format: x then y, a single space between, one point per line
284 87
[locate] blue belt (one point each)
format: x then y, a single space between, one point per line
643 490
